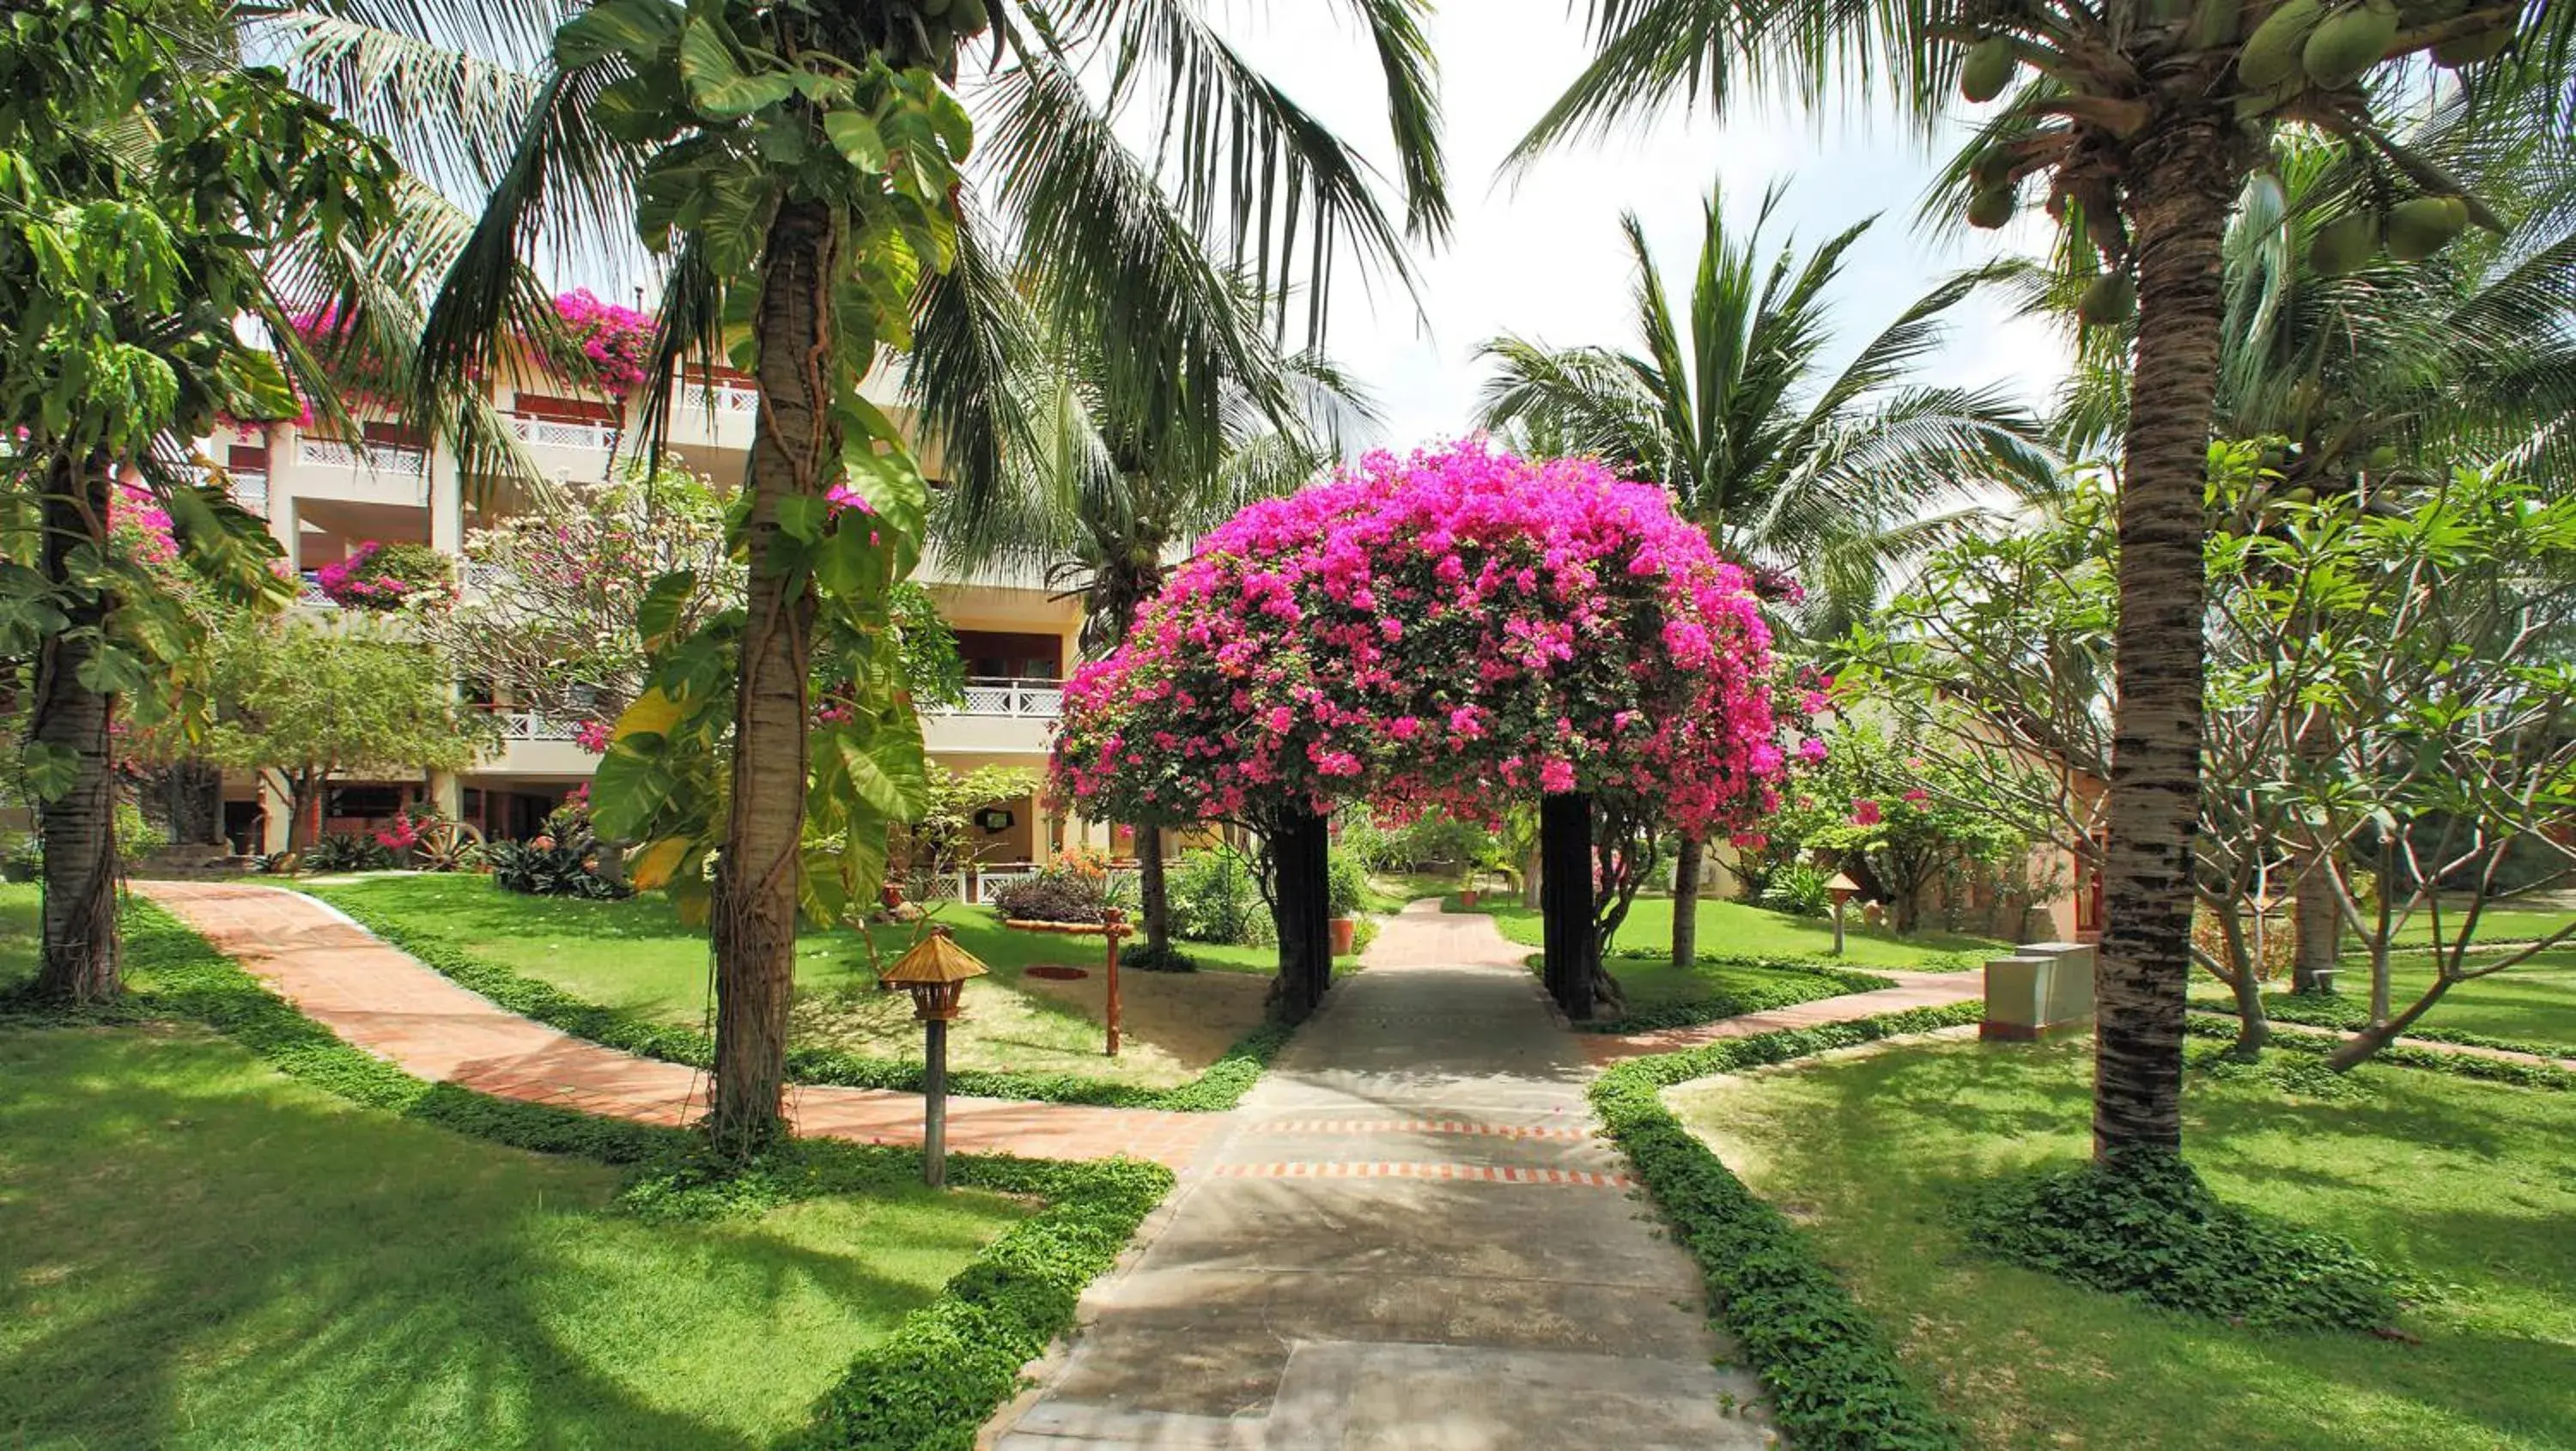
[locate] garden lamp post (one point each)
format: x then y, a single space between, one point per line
1842 889
935 973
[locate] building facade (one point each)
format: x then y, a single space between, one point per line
326 496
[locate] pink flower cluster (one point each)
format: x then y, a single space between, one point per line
356 581
141 526
617 340
1458 628
594 735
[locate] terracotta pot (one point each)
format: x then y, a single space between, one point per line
1344 930
1467 896
891 895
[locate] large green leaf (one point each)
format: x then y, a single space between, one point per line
718 85
635 29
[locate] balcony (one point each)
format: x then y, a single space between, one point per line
721 417
567 449
361 473
998 716
536 745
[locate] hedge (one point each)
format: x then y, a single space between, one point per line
1833 1378
932 1383
1833 981
2334 1010
1217 1089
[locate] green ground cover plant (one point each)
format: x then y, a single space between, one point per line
2458 1186
1833 1379
545 958
1661 995
234 1257
1732 930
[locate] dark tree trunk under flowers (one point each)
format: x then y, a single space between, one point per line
1300 853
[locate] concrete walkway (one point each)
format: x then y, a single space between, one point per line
381 999
1408 1239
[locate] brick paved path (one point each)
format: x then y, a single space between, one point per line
1409 1238
380 999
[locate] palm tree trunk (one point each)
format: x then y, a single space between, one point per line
1686 901
794 452
81 952
2179 201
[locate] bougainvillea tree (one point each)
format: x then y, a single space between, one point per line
1460 628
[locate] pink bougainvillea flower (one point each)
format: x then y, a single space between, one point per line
1865 812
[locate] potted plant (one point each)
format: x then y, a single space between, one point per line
1345 891
1467 887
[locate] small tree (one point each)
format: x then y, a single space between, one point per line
303 704
942 842
1912 821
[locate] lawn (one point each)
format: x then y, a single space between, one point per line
2495 924
196 1251
636 956
1732 929
2531 1002
2464 1185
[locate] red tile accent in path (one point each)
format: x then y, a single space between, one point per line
1482 1173
1416 1126
1913 990
378 998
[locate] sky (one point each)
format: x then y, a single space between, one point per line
1541 255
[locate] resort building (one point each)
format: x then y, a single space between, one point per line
326 496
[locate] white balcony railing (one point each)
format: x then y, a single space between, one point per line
722 398
1028 699
250 490
379 458
308 592
564 433
527 725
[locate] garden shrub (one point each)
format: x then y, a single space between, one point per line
2352 1014
380 576
1345 885
1834 1381
1061 892
342 851
550 870
1798 889
1213 898
2141 1224
2217 1023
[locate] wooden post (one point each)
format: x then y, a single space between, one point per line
1565 895
1839 899
934 1106
1113 926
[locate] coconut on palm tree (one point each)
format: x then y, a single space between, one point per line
813 197
2136 122
1730 402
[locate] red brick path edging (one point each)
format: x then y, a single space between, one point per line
379 998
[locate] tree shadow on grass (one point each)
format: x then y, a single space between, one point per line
201 1254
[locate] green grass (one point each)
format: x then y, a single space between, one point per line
196 1250
2531 1002
1732 929
2464 1186
1661 995
2495 925
1390 892
636 957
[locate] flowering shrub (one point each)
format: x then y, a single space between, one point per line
140 528
1453 629
379 576
1063 892
617 340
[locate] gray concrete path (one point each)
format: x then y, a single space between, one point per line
1409 1240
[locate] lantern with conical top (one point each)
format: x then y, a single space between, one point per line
935 973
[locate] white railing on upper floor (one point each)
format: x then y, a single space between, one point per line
385 458
722 398
308 591
250 489
527 725
564 433
986 695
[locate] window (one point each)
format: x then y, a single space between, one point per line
365 801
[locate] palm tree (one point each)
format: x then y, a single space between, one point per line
1790 465
792 167
1112 489
2389 369
2144 118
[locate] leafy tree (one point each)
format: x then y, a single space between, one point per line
2142 119
306 703
794 171
1913 822
1792 466
155 187
942 842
